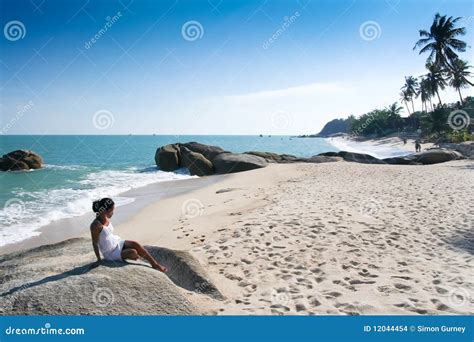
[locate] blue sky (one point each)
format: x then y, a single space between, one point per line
146 74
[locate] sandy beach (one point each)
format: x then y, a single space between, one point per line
300 238
335 238
380 147
397 142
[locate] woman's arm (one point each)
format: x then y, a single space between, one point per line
96 228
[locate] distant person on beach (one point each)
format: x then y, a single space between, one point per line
417 145
111 246
404 141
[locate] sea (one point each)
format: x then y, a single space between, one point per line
79 169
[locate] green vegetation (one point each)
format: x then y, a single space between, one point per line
437 121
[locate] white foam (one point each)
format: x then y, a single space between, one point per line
32 210
376 151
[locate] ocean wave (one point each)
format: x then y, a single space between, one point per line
64 167
376 151
32 210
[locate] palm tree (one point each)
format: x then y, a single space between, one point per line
441 41
411 83
459 75
435 79
425 92
394 109
405 97
394 117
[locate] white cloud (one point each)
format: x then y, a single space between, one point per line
301 90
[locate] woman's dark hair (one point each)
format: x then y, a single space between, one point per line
102 205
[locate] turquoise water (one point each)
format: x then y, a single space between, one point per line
79 169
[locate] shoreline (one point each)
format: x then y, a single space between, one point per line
306 239
295 239
78 226
53 232
380 147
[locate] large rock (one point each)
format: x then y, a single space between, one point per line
323 159
277 158
20 160
404 160
196 163
167 157
435 156
203 160
59 280
354 157
465 148
359 158
268 156
237 162
208 151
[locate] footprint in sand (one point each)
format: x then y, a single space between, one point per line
402 286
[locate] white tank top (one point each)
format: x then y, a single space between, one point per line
107 240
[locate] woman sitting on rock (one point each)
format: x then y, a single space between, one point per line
111 246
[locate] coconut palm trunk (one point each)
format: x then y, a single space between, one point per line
439 98
460 96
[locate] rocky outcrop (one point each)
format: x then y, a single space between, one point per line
185 271
465 148
20 160
323 159
405 160
268 156
208 151
196 163
204 160
168 157
271 157
354 157
60 279
237 162
333 127
432 156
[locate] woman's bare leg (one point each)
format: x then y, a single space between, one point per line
144 254
129 253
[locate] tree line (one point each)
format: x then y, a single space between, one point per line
444 68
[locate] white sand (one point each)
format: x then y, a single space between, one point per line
379 148
335 238
396 142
